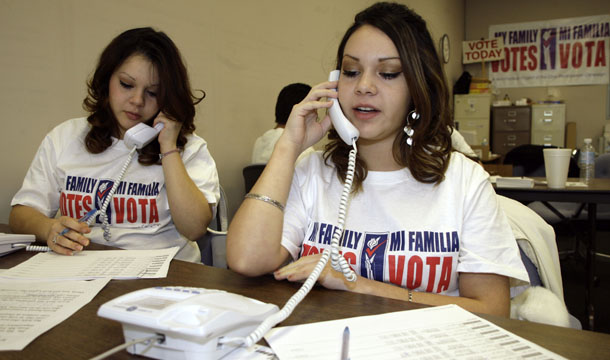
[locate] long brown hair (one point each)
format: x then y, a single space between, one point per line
174 96
428 157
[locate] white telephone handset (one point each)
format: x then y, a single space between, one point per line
190 320
346 130
141 135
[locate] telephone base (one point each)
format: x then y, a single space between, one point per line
191 320
173 347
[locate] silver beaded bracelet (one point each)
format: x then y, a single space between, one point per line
266 199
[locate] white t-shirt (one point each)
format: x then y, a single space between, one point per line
263 146
64 176
404 232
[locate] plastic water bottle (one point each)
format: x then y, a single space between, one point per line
586 162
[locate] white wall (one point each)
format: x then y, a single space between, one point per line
241 53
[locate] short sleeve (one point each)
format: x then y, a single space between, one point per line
487 242
201 168
41 186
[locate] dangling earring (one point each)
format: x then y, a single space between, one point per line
413 115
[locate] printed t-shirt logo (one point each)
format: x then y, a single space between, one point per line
373 255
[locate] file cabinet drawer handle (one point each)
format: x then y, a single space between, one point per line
511 137
548 112
547 120
510 121
512 113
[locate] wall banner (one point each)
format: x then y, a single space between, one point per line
573 51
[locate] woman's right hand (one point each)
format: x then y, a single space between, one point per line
72 240
303 128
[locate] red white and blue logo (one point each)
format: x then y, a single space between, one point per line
373 256
100 196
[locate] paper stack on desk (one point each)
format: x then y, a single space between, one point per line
95 264
28 309
440 332
514 182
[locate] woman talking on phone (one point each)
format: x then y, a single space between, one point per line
422 222
168 193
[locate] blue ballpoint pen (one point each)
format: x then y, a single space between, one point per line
345 344
84 218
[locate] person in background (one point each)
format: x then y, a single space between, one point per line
422 222
166 198
289 96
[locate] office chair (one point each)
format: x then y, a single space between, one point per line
251 174
602 166
542 300
213 245
528 160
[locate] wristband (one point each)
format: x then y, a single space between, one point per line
266 199
161 156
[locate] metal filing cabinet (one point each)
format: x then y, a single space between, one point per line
549 124
471 115
510 128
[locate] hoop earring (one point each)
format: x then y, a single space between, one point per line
413 115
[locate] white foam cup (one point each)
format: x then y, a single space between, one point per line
556 166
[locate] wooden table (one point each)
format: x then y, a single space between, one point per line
85 335
598 192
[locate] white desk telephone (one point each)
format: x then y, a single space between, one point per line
14 242
191 320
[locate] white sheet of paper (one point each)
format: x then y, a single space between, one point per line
28 309
95 264
441 332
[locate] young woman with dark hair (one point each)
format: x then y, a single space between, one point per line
422 222
166 198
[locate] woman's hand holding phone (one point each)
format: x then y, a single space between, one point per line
303 128
169 134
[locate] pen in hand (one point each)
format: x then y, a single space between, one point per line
345 344
84 218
